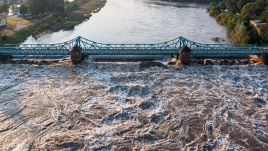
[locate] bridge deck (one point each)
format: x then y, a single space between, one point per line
166 48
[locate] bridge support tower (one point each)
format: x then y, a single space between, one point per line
76 54
185 55
264 58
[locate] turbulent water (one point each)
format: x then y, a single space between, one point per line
131 106
127 106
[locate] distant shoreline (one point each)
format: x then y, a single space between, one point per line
56 22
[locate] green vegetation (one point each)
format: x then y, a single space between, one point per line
238 16
4 10
38 7
19 37
48 23
51 19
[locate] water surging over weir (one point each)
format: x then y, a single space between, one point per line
128 106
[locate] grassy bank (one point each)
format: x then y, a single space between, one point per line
75 13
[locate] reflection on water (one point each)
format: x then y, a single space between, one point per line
126 106
142 21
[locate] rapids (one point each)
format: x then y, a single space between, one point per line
123 106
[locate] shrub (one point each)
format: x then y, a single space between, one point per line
264 33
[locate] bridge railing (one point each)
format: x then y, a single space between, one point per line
169 47
38 49
88 44
196 45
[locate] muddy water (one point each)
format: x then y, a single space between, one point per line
122 106
143 21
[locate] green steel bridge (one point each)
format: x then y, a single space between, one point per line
171 47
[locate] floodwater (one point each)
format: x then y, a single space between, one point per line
128 106
143 21
131 106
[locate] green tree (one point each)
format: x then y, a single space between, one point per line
221 6
254 9
215 9
23 9
231 5
241 3
38 7
4 9
264 15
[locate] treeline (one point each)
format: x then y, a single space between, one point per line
52 18
238 16
37 7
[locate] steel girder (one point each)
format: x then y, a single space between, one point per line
166 48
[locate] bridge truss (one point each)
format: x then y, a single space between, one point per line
166 48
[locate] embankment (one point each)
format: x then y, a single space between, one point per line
76 13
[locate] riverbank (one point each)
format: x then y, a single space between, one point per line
246 23
143 21
77 12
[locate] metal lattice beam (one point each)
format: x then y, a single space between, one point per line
166 48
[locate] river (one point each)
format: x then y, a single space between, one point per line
143 21
125 106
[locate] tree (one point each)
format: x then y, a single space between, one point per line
4 9
23 9
231 6
264 33
241 3
254 9
264 15
56 6
38 7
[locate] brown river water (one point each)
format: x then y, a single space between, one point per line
128 106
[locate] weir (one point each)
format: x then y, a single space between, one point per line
172 47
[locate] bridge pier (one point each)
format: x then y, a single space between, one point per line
76 55
185 55
264 58
5 58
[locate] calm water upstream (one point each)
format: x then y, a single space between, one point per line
142 21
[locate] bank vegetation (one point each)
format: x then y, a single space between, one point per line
51 16
246 20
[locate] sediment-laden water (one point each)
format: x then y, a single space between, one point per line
128 106
143 21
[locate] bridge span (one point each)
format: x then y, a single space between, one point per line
88 47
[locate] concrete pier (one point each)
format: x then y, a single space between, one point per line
185 55
264 58
5 58
76 54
